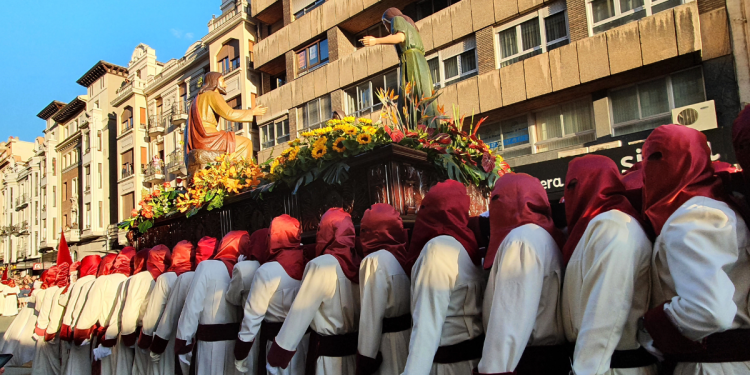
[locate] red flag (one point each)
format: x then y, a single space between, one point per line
64 260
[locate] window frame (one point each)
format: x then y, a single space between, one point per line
323 117
670 99
376 104
308 8
420 16
311 67
276 139
442 56
647 5
541 15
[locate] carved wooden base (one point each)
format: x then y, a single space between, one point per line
198 159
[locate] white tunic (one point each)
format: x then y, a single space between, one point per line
384 287
121 359
18 338
700 264
242 279
46 359
156 303
446 305
11 301
521 302
79 361
167 326
327 302
133 311
206 304
606 291
271 296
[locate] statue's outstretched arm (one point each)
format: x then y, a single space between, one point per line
396 38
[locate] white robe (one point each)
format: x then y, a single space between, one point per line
131 318
521 302
206 304
121 359
11 301
270 299
156 303
3 288
99 306
73 292
167 327
700 264
328 303
446 305
18 338
46 359
606 291
242 279
79 361
384 287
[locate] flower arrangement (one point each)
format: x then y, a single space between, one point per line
211 185
154 205
322 153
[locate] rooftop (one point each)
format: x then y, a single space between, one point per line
100 69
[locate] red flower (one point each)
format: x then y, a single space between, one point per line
156 193
166 185
134 212
148 214
488 162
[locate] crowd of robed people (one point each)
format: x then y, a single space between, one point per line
650 275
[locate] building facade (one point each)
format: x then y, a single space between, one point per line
17 186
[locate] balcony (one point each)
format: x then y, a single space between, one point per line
73 234
180 112
44 208
230 66
20 253
22 202
156 125
154 172
176 162
127 170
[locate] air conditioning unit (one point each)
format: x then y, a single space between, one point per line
699 116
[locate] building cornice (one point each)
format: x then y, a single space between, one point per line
71 109
50 110
100 69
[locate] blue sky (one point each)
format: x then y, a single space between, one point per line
47 45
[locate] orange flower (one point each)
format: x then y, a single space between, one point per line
338 144
134 212
148 214
166 185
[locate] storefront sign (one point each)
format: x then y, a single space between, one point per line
37 266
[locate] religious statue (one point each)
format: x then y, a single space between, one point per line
410 50
203 133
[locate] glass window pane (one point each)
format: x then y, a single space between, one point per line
548 124
554 26
391 79
653 96
305 118
687 87
313 52
302 60
602 9
665 5
620 21
451 67
351 100
468 61
628 5
440 5
530 35
313 111
508 43
491 134
624 105
434 70
577 116
365 96
323 50
325 107
515 131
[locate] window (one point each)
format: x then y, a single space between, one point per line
234 103
427 8
126 121
312 57
75 187
362 99
607 14
315 113
647 105
128 203
274 133
278 80
88 177
126 164
457 63
301 10
54 226
54 166
564 125
101 215
65 191
54 196
510 137
99 140
96 104
99 174
537 33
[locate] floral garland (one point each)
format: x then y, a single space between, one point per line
154 205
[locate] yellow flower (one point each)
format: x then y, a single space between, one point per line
320 141
365 121
338 144
319 151
232 185
364 138
349 119
274 165
293 154
351 130
232 171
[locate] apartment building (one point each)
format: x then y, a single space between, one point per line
16 189
554 78
157 96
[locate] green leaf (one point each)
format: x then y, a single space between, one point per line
351 144
209 196
336 174
299 183
216 202
145 226
192 212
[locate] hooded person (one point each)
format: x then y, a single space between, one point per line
446 285
385 320
274 288
699 315
606 285
94 319
741 141
46 358
180 261
208 323
327 303
164 336
139 288
86 273
521 309
247 264
10 294
79 361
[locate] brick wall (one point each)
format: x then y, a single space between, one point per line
709 5
485 50
577 20
338 44
292 123
287 11
290 69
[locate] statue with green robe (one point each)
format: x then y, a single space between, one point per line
414 68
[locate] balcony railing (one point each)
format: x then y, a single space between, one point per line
154 172
175 162
180 111
127 170
239 10
22 201
231 66
157 125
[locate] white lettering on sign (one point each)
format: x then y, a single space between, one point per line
552 182
627 161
